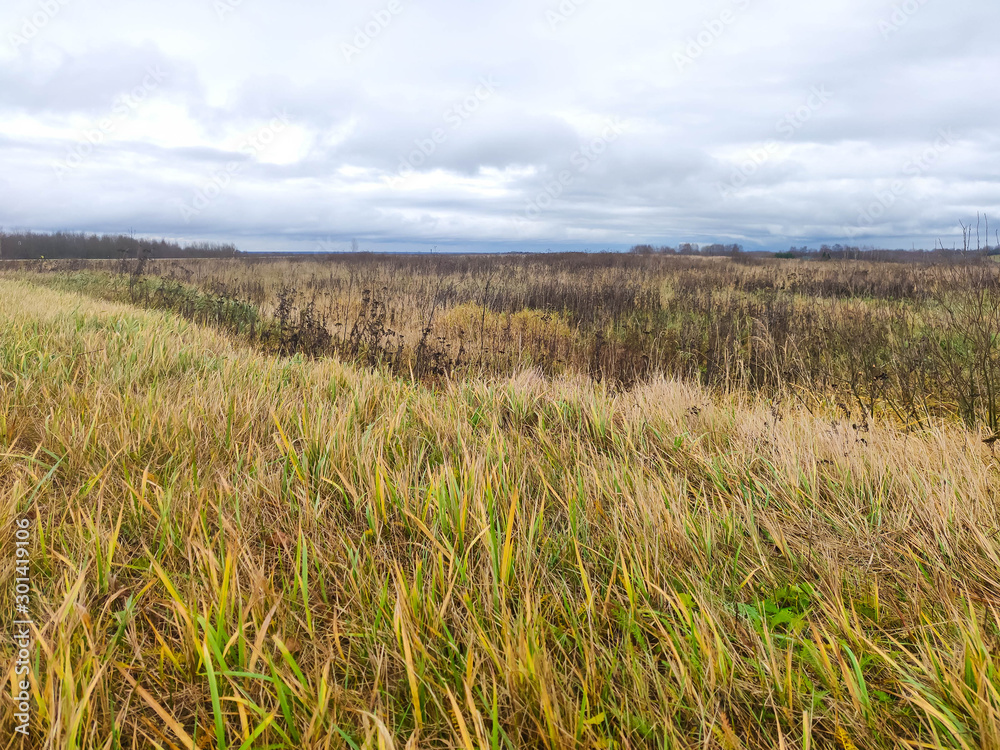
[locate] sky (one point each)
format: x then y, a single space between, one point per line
519 125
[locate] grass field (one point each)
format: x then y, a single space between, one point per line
240 543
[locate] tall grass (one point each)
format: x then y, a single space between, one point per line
906 340
236 549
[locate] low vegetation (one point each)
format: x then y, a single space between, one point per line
486 521
907 340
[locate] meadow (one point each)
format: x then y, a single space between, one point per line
610 501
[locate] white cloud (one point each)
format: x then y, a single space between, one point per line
343 165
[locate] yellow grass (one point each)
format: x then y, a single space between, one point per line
235 550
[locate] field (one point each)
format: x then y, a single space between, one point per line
606 501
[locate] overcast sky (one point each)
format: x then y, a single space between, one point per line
411 124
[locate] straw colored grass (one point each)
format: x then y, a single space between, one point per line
236 550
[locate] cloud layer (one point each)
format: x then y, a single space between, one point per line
560 123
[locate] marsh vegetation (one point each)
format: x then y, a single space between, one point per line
611 502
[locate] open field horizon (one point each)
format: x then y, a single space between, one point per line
543 374
237 545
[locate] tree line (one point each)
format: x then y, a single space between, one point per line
830 252
38 245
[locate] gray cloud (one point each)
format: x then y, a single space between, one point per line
721 134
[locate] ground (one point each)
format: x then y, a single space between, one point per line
238 548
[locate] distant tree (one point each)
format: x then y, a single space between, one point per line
33 245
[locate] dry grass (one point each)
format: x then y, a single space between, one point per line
903 340
239 550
